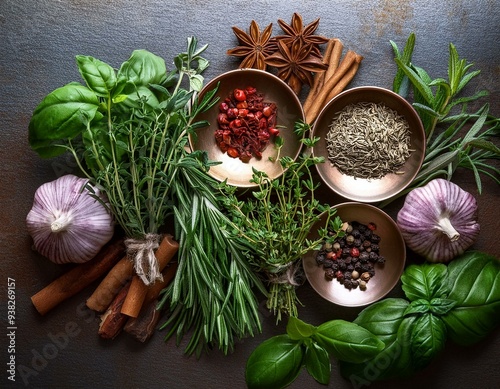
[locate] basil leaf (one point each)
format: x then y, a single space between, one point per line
143 68
383 318
441 307
318 363
394 361
418 306
99 76
62 114
275 363
428 338
474 282
347 341
298 330
425 281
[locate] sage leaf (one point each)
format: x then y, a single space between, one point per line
474 282
63 114
425 281
99 76
298 329
275 363
318 363
347 341
428 338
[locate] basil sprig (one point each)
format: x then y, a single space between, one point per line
277 362
459 301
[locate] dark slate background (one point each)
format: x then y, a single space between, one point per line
38 42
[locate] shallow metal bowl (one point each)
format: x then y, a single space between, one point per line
392 247
290 110
369 190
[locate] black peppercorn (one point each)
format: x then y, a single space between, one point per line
329 274
320 258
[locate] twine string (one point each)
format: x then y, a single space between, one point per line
142 253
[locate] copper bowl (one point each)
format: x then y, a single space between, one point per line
360 189
392 247
236 172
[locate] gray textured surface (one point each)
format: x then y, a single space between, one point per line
38 42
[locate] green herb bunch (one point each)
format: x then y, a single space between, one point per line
276 220
445 115
277 362
458 302
128 130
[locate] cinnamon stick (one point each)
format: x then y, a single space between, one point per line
137 293
346 79
334 59
111 285
321 98
319 78
112 321
142 327
79 277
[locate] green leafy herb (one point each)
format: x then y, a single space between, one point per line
474 283
460 301
445 116
277 362
276 221
128 129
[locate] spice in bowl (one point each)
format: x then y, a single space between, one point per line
246 124
352 258
368 140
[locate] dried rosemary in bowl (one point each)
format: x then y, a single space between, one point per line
368 140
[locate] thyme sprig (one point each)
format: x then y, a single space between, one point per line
276 220
445 115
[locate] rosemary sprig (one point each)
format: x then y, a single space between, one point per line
445 116
276 220
211 297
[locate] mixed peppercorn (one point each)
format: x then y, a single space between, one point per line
351 259
246 124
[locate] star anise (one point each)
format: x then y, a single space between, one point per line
254 46
296 64
295 31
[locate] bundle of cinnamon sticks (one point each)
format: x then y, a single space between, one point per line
328 84
124 301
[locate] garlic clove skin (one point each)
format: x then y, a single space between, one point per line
67 223
439 220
